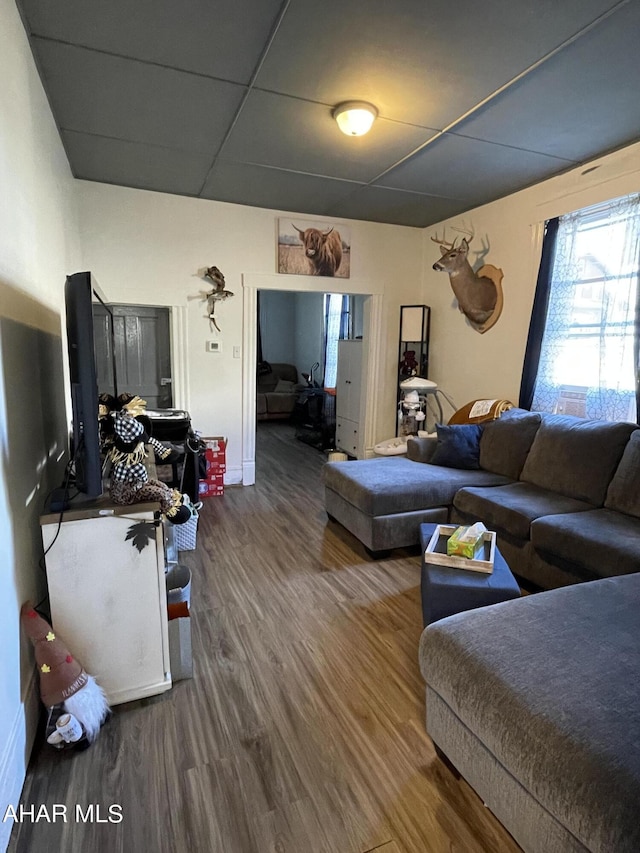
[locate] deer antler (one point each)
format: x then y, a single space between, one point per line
470 233
443 242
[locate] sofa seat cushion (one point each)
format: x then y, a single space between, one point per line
605 542
549 685
576 457
280 404
390 485
512 508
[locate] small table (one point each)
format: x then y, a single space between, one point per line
446 591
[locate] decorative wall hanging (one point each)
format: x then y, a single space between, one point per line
479 294
314 248
218 294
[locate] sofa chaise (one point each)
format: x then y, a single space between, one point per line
560 492
536 703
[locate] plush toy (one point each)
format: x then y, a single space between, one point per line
130 482
76 705
409 365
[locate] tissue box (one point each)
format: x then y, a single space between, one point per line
466 541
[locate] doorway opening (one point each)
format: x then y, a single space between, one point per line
142 342
372 325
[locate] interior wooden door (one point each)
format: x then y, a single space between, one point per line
142 346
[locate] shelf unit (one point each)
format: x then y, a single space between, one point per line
415 327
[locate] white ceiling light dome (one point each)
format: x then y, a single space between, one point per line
355 117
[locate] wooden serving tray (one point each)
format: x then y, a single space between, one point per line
436 551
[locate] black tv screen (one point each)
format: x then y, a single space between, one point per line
81 293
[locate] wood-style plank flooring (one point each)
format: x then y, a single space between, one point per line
302 729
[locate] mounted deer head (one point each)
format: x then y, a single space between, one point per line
479 296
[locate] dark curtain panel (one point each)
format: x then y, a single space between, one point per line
538 315
344 318
636 348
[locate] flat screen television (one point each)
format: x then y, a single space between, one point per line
82 294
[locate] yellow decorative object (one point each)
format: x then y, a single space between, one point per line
45 668
136 406
50 636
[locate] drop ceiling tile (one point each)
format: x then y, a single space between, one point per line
418 62
262 187
580 103
379 204
131 164
471 170
274 130
96 93
209 38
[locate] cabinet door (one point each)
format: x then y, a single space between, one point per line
349 379
348 436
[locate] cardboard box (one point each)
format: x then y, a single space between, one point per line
213 485
215 448
214 466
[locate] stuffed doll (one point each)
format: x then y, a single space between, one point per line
75 703
409 365
130 482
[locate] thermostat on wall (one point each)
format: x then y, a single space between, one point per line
214 346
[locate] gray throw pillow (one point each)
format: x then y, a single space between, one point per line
283 386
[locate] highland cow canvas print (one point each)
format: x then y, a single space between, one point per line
314 248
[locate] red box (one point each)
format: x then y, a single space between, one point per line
213 485
214 466
216 448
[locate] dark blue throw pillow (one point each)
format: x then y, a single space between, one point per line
458 446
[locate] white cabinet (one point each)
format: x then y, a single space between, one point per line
349 432
106 578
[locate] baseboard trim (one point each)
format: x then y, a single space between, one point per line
15 757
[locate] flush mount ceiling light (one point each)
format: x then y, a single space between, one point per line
355 117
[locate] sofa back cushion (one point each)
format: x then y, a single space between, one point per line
623 494
267 382
576 457
506 442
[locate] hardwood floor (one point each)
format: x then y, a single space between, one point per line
302 729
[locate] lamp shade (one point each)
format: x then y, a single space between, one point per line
355 117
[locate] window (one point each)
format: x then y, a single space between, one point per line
336 328
589 350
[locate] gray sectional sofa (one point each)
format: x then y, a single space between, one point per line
536 702
561 493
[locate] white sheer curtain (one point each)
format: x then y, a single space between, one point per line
334 311
589 344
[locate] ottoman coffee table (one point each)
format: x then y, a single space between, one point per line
446 591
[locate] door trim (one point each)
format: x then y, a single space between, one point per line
372 341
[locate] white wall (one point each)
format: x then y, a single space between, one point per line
38 247
464 363
148 247
277 326
309 333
